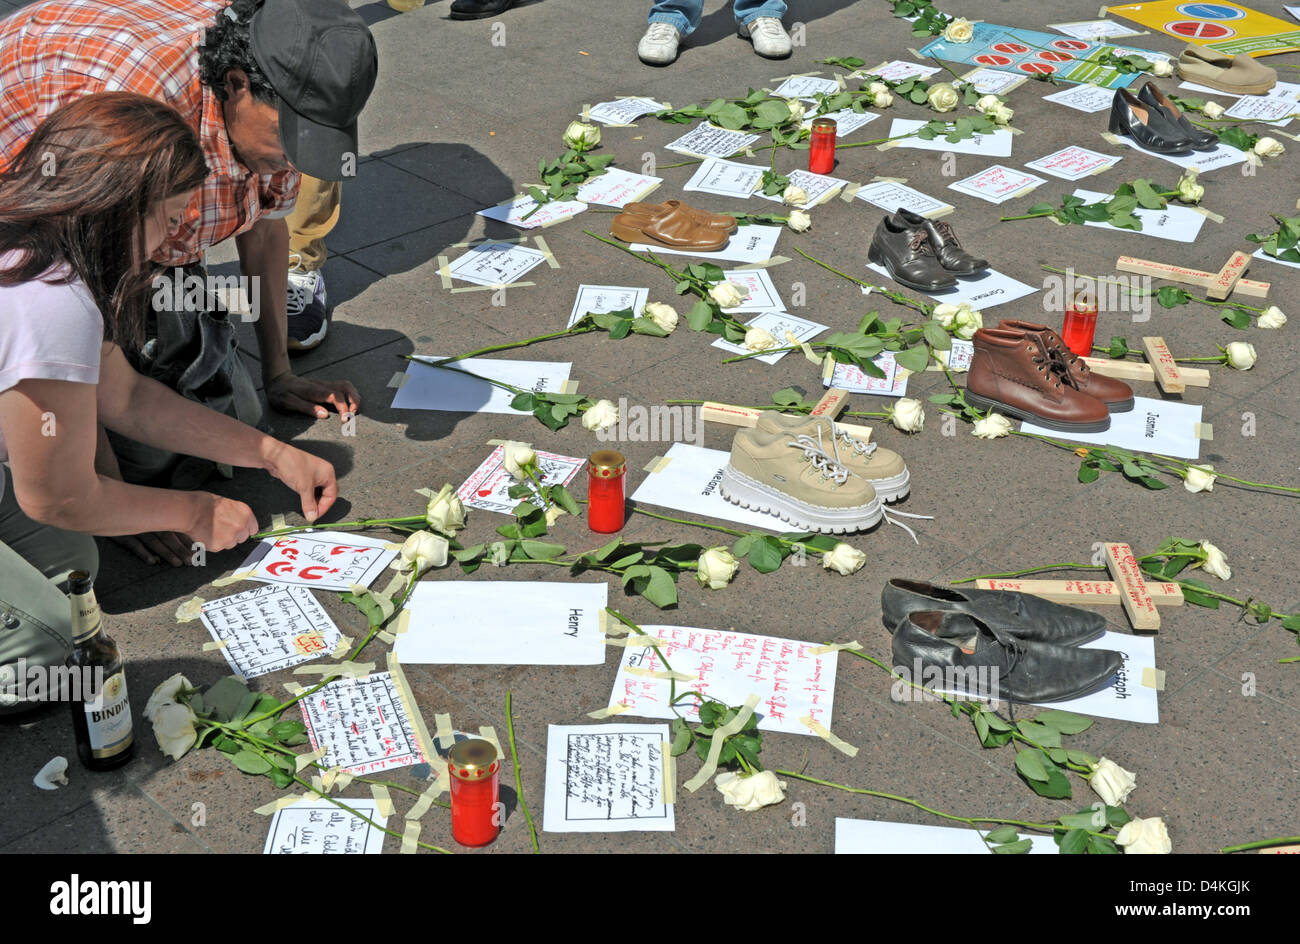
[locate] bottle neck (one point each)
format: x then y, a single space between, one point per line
86 618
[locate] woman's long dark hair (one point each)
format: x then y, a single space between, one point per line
79 194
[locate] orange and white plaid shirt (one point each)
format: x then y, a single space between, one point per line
53 52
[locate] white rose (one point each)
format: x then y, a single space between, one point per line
1111 782
554 514
960 30
173 728
844 559
794 196
1189 191
166 694
942 97
1145 837
966 323
1162 67
715 568
1272 318
1215 562
728 294
1198 480
988 103
878 88
423 550
665 316
1268 147
756 339
882 99
751 792
53 775
1241 355
600 416
445 512
518 457
993 426
799 221
945 313
796 109
1002 114
908 415
1213 111
581 137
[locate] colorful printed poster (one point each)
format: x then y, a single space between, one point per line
1222 26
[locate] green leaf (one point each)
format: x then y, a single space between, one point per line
660 589
280 778
250 763
996 723
1039 208
1170 296
1031 766
681 737
730 116
765 554
224 697
284 730
1088 472
1118 347
1014 848
1003 834
914 359
1100 845
541 550
711 712
1040 733
562 497
700 316
981 726
787 397
1064 721
1075 842
1080 757
936 336
1056 787
1147 196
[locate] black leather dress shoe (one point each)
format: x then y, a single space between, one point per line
969 656
905 252
1022 615
1148 128
478 9
945 246
1201 140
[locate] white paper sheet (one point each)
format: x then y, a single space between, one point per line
899 69
1225 155
869 837
606 778
462 389
988 289
315 826
806 86
708 140
998 184
495 263
689 483
1179 223
994 144
1073 162
846 120
994 81
762 296
623 111
1274 111
1294 11
820 188
326 560
748 244
1094 29
1261 254
1285 91
488 486
790 682
515 211
602 299
617 187
891 196
362 724
776 323
496 622
1162 426
270 628
1085 98
851 377
959 356
725 178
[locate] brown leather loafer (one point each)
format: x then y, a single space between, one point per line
1012 373
703 217
1117 395
675 229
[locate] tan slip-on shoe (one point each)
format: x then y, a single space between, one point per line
1237 75
883 468
675 229
703 217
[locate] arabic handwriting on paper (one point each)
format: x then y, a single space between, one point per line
326 560
487 486
309 828
269 628
362 724
495 263
614 776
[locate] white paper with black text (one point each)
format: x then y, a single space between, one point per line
523 206
819 187
270 628
900 69
495 263
846 120
362 724
748 244
725 178
891 196
602 299
870 837
1178 223
606 778
776 323
987 289
1074 163
1085 98
1225 155
997 184
623 111
617 187
993 144
1094 30
465 386
1160 426
805 86
315 826
326 560
708 140
762 296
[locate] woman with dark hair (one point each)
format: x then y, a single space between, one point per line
98 187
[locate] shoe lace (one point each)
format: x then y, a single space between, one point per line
920 242
661 33
891 515
946 231
814 451
864 449
298 298
1053 365
768 26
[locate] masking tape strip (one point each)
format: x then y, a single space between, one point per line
395 382
294 689
1100 170
747 152
634 642
407 698
1024 190
586 113
491 288
275 806
824 733
849 192
1209 214
386 637
666 676
887 145
602 713
341 649
352 670
828 367
715 746
768 263
444 734
546 251
1203 431
786 78
657 464
214 644
444 271
822 650
409 837
1153 678
827 196
839 81
234 578
669 772
306 760
403 622
318 785
944 211
398 581
1014 131
423 804
190 610
383 798
278 523
392 546
385 603
489 734
569 386
327 779
915 53
342 778
609 626
889 180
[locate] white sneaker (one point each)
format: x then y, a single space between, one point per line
770 39
305 307
658 47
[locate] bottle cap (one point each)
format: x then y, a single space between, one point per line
473 760
607 464
823 126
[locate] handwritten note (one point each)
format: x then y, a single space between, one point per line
1263 108
1094 29
725 178
854 379
690 483
776 323
959 356
488 486
623 111
327 560
819 187
997 184
602 299
617 187
495 263
314 826
1085 98
846 120
708 140
789 680
362 724
1073 162
762 293
806 86
891 196
993 81
465 386
270 628
606 778
900 69
523 206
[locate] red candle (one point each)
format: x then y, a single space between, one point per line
1080 325
475 800
821 151
606 476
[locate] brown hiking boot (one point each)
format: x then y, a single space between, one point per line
703 217
1013 374
1117 395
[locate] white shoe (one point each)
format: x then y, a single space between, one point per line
658 47
770 39
305 307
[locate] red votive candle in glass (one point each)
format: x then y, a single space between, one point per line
821 152
1080 325
475 799
606 476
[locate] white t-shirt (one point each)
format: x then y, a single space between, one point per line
47 332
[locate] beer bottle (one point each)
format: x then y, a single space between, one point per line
101 712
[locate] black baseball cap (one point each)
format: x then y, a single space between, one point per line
321 60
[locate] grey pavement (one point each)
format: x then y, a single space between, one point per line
458 123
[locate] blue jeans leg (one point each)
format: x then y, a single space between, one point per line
683 14
749 10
